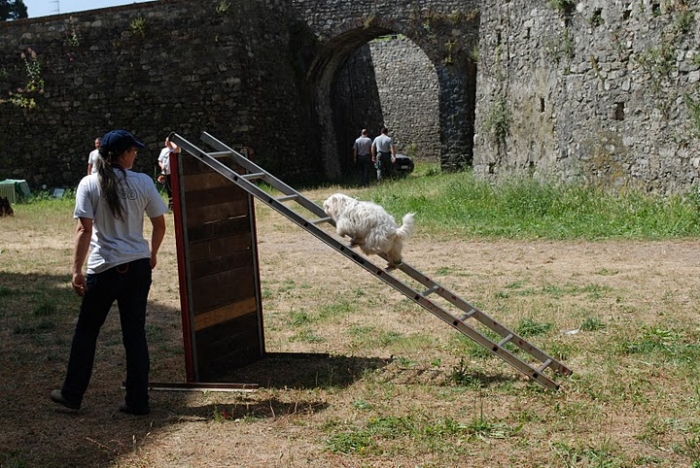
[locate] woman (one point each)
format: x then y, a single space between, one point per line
109 207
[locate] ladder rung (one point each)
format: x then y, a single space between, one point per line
467 315
545 365
430 290
216 154
287 198
505 340
256 175
322 220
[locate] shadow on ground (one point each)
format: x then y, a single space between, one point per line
36 327
299 371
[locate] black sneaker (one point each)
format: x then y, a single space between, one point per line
57 397
124 408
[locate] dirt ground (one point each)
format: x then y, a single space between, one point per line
286 422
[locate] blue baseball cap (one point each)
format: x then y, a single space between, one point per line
119 141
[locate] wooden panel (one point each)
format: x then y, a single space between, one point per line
192 165
221 263
227 346
223 319
224 314
206 214
207 249
220 228
214 196
223 288
206 181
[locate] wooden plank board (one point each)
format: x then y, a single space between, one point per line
206 181
221 263
217 290
220 228
221 246
192 165
214 196
224 313
222 310
206 214
227 346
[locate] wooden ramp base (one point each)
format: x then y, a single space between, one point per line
204 387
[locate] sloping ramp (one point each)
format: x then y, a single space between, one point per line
510 347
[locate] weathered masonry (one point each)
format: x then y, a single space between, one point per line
606 92
267 73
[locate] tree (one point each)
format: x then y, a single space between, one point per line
12 10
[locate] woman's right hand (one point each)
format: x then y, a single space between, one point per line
78 283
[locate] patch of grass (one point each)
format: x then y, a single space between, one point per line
300 318
462 376
528 327
339 308
529 209
308 336
5 291
44 326
390 433
592 324
44 310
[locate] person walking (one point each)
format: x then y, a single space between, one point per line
109 208
362 155
383 154
92 158
164 164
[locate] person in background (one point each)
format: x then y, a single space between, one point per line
384 154
164 164
92 158
110 208
362 156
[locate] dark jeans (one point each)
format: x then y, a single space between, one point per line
129 285
169 190
365 163
384 165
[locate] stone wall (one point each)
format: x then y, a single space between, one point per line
409 91
606 92
153 68
266 72
446 31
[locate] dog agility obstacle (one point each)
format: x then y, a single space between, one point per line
237 169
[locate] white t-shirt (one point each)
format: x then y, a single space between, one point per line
164 158
92 159
114 241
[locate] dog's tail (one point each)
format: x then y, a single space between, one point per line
405 231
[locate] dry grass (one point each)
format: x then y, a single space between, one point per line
390 385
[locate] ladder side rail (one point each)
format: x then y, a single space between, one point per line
535 374
380 273
275 182
485 319
239 159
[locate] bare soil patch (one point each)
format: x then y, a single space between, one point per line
370 355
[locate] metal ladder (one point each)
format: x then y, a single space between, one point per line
457 320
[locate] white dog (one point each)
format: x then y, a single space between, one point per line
369 226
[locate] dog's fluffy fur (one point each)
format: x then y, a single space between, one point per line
369 226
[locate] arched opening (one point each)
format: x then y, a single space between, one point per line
389 81
369 77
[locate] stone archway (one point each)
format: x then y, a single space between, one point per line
447 41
